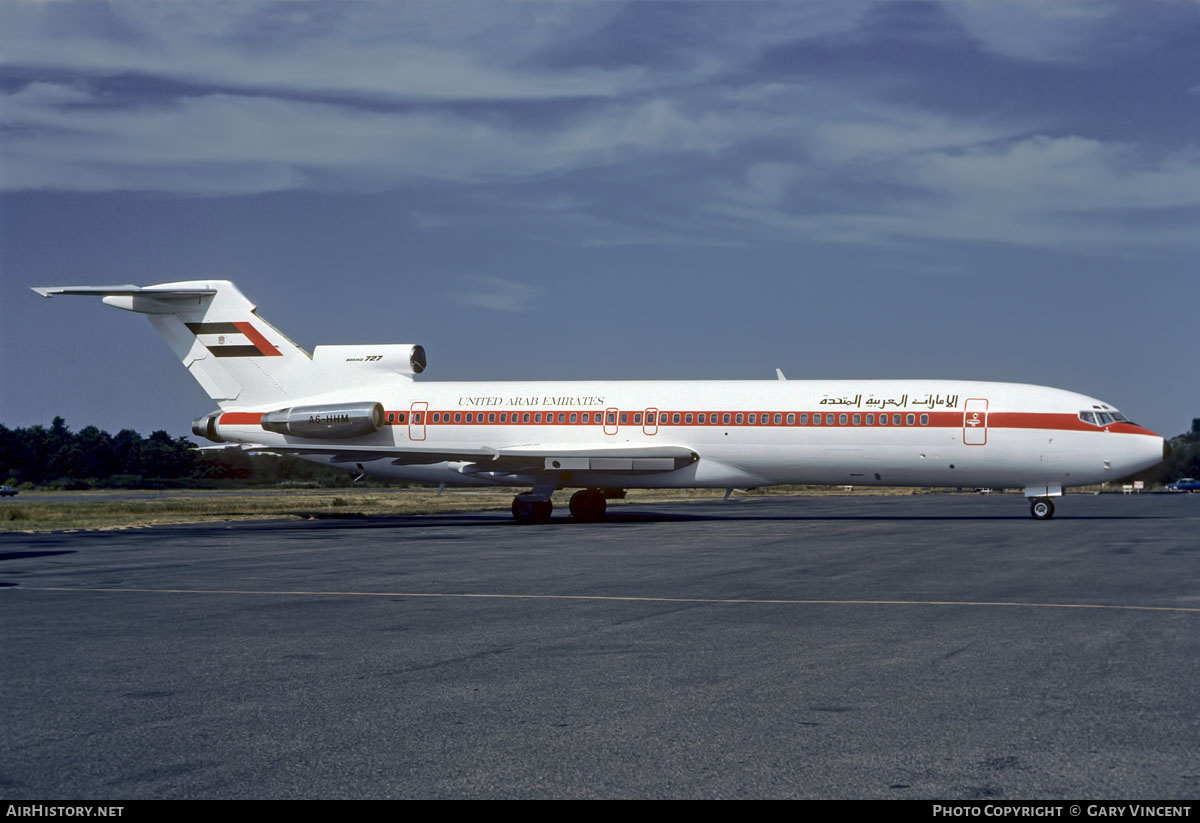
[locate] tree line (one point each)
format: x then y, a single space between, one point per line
57 457
1184 460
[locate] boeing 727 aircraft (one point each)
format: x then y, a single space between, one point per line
358 407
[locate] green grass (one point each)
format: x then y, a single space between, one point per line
71 511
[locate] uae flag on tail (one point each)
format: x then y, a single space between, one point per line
233 340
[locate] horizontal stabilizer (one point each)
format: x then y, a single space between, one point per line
122 291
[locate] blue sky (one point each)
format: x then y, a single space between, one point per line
977 189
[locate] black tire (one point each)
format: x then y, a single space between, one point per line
530 512
1041 508
588 506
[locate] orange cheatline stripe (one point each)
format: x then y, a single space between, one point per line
1048 421
241 419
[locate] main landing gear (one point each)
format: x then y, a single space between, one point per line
527 511
587 505
1041 508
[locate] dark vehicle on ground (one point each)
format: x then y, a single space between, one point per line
1186 484
7 491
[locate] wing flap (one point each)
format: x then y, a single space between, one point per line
522 458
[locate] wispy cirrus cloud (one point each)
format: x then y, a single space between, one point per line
691 122
495 294
1068 193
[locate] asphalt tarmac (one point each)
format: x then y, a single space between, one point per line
934 646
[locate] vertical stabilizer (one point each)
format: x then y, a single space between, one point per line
235 355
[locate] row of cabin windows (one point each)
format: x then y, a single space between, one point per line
675 418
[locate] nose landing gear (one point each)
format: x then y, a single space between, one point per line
1041 508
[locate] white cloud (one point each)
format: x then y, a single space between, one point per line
445 51
882 132
1041 30
496 294
369 97
1055 192
222 143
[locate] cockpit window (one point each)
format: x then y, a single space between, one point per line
1104 418
1087 417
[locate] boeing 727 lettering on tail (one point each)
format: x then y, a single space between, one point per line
360 408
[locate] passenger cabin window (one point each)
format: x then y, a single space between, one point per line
637 418
804 420
491 417
895 420
910 419
857 419
883 419
525 417
675 418
870 420
924 420
791 420
400 417
574 417
739 419
725 418
841 419
700 418
624 417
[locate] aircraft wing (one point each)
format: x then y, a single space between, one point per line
512 459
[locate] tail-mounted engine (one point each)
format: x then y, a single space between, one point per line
369 362
332 421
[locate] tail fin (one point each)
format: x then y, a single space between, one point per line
235 355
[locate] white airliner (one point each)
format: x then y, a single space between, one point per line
358 407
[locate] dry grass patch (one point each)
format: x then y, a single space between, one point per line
66 511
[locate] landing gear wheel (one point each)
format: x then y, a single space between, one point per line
588 506
1041 508
528 512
